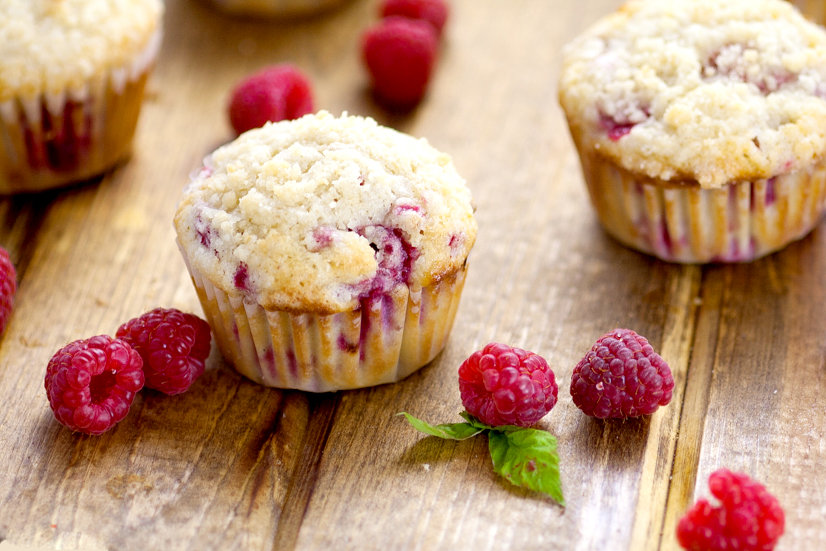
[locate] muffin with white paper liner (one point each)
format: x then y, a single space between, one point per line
700 126
327 252
72 78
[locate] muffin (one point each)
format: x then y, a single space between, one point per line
72 75
327 252
701 126
274 8
813 9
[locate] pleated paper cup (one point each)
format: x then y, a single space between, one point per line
683 222
386 339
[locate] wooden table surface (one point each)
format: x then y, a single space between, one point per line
232 465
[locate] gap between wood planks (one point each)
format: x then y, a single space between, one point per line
672 451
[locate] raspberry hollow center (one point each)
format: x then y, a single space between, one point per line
100 387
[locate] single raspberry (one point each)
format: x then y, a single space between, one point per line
91 383
621 376
8 287
400 54
273 94
174 347
748 517
434 12
501 385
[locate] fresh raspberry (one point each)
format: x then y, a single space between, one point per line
621 376
91 383
8 286
400 54
501 385
273 94
173 345
434 12
748 518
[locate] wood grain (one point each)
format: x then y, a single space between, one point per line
232 465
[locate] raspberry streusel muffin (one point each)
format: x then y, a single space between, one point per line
328 253
72 74
701 126
275 8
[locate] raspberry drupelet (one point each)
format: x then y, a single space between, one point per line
174 347
8 287
621 376
748 517
91 383
502 385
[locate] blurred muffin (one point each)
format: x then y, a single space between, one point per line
328 253
274 8
701 126
72 75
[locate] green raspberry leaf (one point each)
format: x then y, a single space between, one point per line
527 457
450 431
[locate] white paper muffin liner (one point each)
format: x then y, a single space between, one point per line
56 139
274 8
739 222
385 340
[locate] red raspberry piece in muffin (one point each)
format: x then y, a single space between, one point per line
394 256
621 376
8 287
502 385
273 94
434 12
91 383
400 54
747 518
174 347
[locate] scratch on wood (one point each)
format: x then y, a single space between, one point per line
263 445
302 484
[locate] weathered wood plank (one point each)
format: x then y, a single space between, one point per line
234 465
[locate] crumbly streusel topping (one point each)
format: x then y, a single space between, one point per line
700 90
48 46
311 214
